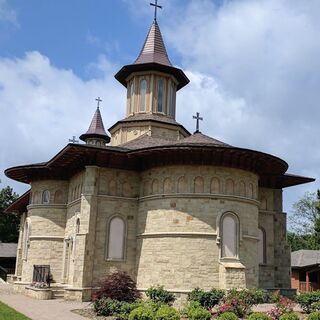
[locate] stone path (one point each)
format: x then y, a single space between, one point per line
40 309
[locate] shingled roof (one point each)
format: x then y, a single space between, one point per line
304 258
96 128
154 50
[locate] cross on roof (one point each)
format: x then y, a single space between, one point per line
99 100
198 119
73 140
156 6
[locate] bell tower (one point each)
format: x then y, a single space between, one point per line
151 83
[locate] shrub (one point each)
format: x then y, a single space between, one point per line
284 305
166 312
289 316
207 299
141 313
108 307
249 296
259 316
314 316
306 300
228 316
117 286
236 306
315 306
159 294
194 311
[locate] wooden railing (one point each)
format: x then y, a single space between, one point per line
308 287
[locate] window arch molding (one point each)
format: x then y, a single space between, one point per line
262 245
229 247
26 238
116 236
45 198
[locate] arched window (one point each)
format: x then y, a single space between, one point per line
250 190
229 186
215 185
160 91
229 235
45 196
116 239
242 189
262 246
198 185
182 185
172 100
58 197
131 97
155 186
167 185
143 92
26 236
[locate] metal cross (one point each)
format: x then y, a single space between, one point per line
73 140
156 6
99 100
198 118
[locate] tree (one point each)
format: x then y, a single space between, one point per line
305 223
9 223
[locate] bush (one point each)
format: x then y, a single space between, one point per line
159 294
314 316
259 316
117 286
166 312
306 300
206 299
141 313
249 296
228 316
108 307
289 316
315 306
194 311
237 307
283 306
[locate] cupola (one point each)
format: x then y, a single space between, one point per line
96 134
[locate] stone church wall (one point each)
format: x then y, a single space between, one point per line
46 223
178 218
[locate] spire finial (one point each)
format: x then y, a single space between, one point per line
156 6
98 100
197 117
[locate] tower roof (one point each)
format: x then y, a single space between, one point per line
153 57
154 50
96 128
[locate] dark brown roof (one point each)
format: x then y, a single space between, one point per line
154 50
150 117
96 128
201 139
20 205
148 152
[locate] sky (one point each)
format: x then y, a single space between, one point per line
253 64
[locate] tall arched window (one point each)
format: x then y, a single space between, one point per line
172 100
229 235
143 92
160 91
116 239
26 236
262 246
131 97
45 196
78 225
198 185
215 185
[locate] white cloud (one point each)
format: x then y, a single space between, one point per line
7 13
260 61
43 106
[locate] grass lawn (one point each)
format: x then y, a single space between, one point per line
7 313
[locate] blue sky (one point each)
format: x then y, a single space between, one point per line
253 64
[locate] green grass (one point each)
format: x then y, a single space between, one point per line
7 313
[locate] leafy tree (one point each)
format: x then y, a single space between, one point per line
9 223
305 223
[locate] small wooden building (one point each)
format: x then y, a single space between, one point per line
305 266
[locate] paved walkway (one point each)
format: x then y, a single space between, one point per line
41 309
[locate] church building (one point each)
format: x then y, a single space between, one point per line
167 206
